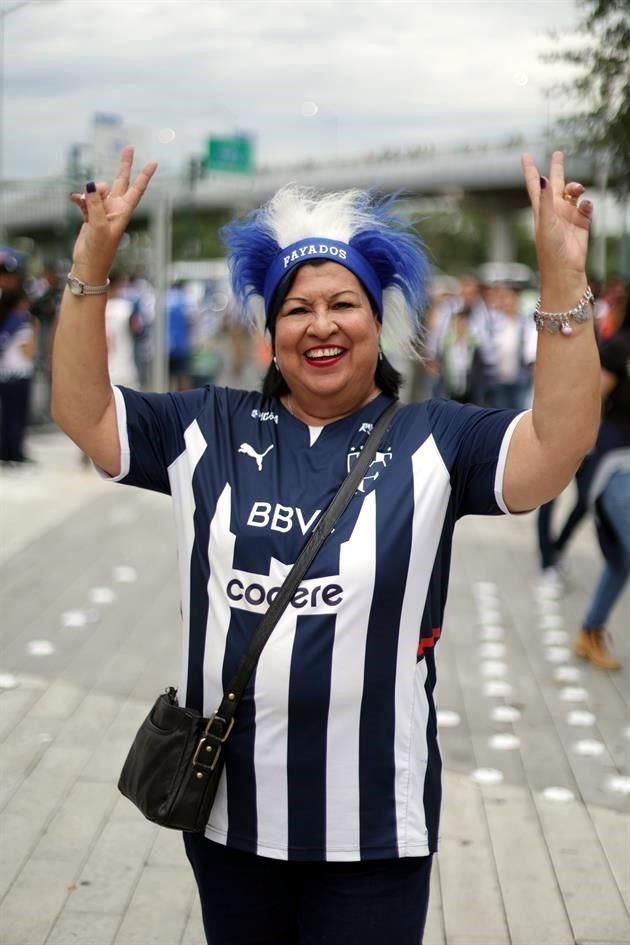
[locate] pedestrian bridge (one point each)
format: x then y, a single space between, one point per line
490 175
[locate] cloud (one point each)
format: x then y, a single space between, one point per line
383 73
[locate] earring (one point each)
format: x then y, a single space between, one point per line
380 354
275 362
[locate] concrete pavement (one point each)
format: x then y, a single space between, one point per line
536 827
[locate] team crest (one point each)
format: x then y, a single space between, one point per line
380 462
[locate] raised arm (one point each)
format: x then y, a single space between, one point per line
551 440
82 397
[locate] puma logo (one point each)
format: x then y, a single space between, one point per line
250 451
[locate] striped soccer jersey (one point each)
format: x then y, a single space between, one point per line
334 755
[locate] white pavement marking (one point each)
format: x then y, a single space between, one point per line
493 668
567 674
581 718
589 747
40 648
487 617
557 654
447 718
123 574
492 651
559 794
618 784
551 621
574 694
505 713
102 595
8 681
504 742
497 688
491 633
487 587
74 618
487 776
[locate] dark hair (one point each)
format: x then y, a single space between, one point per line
386 377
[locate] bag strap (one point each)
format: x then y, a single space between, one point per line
223 719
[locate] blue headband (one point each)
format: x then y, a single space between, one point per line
321 248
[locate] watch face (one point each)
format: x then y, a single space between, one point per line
75 286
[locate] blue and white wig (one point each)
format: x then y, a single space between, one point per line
352 228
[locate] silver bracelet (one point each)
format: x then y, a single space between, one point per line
561 321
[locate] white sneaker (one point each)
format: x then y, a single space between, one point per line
550 583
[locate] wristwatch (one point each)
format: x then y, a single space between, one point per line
82 288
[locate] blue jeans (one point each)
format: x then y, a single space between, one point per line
254 900
616 504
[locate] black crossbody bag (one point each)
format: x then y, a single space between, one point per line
174 765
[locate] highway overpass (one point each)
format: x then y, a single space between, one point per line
487 176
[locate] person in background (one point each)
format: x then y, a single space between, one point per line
514 350
208 324
119 333
481 320
609 490
44 308
12 268
460 362
17 354
179 317
552 551
142 295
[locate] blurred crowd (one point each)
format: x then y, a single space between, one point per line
479 339
202 329
477 345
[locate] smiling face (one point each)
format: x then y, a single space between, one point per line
326 343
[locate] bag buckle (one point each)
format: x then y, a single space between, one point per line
214 743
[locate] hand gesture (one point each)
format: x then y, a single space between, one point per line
106 215
561 223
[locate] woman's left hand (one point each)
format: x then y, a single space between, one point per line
561 221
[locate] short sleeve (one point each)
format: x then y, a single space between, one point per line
474 442
151 431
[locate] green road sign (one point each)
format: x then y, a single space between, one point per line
235 154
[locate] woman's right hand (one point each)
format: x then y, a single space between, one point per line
106 215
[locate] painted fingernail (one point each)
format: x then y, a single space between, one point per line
543 183
90 187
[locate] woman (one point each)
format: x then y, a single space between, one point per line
17 355
460 362
610 491
326 821
515 350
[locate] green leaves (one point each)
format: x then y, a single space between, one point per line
600 88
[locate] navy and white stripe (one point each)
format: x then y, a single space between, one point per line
334 755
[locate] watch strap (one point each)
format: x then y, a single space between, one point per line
84 287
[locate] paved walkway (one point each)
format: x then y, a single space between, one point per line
536 828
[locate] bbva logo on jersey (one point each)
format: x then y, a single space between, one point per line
380 462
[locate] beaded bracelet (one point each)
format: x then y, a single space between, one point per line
560 321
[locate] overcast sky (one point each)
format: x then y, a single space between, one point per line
314 79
